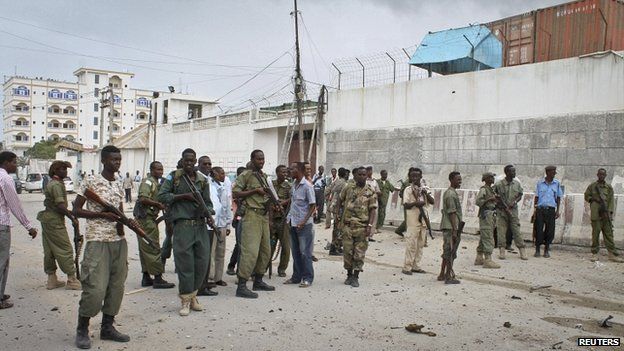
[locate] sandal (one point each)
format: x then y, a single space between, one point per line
5 304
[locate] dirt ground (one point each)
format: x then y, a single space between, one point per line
332 316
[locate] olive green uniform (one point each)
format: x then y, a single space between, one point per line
356 203
278 227
150 257
56 244
595 194
509 192
450 204
336 189
386 188
487 216
191 240
255 237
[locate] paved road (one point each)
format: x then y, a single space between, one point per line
332 316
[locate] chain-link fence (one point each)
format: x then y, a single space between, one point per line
376 69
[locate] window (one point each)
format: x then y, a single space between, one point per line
54 124
116 100
21 137
143 102
96 107
97 79
142 116
95 121
55 94
165 111
21 108
96 93
54 109
69 111
194 111
95 134
21 91
69 125
70 95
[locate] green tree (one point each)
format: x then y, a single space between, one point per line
44 149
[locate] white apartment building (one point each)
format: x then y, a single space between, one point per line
37 109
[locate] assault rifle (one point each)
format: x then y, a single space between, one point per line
603 209
121 217
460 229
206 212
78 240
423 214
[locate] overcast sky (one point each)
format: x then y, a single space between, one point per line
199 35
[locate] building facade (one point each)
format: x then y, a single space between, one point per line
38 109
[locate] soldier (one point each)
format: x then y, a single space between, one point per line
330 180
509 192
358 204
548 195
236 224
146 211
255 238
335 248
416 199
450 225
385 188
105 262
486 200
278 225
56 244
191 241
599 194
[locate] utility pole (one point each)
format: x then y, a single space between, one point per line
299 93
103 103
111 102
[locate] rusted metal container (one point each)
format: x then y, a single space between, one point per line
567 30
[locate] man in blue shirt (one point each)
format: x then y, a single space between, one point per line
548 195
302 206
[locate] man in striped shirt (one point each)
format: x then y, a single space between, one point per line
9 202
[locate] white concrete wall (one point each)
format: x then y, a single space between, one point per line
569 86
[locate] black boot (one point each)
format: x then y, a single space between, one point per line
537 251
108 331
546 252
349 277
147 280
259 285
160 283
242 290
354 280
82 333
333 250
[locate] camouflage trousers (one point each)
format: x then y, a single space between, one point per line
150 257
505 221
486 231
355 244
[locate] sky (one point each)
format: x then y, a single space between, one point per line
213 48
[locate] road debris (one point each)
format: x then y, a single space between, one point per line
604 323
136 291
507 325
417 328
557 345
538 287
514 297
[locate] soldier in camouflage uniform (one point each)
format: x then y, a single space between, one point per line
278 224
358 204
146 211
509 193
335 249
486 200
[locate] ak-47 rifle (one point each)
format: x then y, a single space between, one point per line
603 209
205 211
78 240
275 205
423 214
121 217
460 229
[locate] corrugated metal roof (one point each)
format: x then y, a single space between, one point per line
459 50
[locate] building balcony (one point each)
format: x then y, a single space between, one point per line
19 126
22 112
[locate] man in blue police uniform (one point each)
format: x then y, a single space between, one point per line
548 195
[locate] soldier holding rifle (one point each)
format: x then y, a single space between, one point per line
56 245
105 262
187 193
509 192
599 194
416 199
452 226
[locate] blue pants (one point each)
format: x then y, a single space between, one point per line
302 244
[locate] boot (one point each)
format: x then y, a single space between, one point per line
147 280
195 306
242 290
523 255
160 283
230 270
614 257
479 259
349 277
594 257
488 263
501 253
73 283
442 269
546 252
354 279
53 282
260 285
82 333
108 331
186 304
449 277
537 252
333 251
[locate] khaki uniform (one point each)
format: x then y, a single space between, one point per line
56 244
191 240
336 189
386 189
356 203
508 191
487 217
450 204
594 193
104 266
255 237
279 230
150 257
416 232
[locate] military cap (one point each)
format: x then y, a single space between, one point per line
487 174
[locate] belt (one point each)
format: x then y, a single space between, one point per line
190 221
260 211
546 208
354 224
